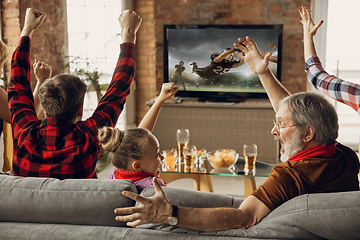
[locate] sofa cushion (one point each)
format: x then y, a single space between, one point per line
71 201
310 216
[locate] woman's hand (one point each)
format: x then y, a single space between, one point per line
309 26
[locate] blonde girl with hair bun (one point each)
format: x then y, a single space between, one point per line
135 152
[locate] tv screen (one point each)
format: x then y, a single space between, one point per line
192 55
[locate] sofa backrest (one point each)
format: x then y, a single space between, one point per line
193 198
70 201
309 216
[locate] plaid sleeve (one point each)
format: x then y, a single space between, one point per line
336 88
112 103
20 98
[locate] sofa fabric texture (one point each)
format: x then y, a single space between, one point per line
47 208
70 201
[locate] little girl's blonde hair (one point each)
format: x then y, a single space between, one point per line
124 146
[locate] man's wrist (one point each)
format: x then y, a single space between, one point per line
265 74
167 213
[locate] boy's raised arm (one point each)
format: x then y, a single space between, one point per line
20 98
112 103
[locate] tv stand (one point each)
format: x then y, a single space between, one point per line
221 100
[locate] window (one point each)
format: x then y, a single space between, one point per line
342 60
93 32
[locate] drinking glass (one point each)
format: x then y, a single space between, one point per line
182 136
189 154
170 159
250 153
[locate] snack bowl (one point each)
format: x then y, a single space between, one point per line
222 158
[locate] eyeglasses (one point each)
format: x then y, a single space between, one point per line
279 128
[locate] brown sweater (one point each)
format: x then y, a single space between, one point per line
311 175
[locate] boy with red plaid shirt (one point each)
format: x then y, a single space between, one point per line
59 146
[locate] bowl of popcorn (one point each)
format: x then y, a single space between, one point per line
222 158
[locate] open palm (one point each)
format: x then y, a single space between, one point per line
257 63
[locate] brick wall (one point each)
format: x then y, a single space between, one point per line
49 42
156 13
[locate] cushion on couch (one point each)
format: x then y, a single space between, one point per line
70 201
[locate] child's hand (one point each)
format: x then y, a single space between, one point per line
33 20
42 71
168 90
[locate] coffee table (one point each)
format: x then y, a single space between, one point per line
203 180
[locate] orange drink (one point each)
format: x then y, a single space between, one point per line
170 159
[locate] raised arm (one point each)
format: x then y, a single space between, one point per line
42 72
310 30
341 90
260 66
157 209
20 98
112 103
168 90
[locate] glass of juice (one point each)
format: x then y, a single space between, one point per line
170 159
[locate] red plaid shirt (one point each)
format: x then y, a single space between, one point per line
55 147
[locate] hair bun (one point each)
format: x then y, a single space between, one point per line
110 138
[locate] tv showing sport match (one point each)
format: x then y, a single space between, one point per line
198 59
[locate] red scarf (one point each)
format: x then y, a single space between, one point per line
132 175
316 151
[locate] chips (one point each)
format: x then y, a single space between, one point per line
223 159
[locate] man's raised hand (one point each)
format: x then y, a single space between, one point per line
257 63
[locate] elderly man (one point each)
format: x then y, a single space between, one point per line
306 127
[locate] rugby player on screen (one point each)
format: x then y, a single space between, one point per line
220 63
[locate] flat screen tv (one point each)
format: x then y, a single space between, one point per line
188 54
